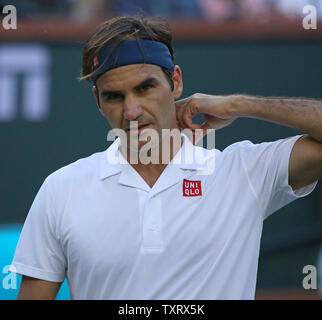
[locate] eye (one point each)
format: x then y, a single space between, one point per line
112 96
145 87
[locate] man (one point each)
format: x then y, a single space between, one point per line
122 229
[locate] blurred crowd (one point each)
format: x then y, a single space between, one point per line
213 10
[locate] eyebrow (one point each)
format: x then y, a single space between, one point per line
151 81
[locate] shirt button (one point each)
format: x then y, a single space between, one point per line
152 227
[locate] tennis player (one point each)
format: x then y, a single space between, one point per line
122 229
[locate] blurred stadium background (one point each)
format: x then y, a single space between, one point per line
49 119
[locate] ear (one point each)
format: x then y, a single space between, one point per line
96 96
177 81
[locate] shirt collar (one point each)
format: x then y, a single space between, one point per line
189 157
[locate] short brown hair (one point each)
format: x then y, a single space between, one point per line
126 27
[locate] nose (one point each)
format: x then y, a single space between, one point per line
132 108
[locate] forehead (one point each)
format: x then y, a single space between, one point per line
129 75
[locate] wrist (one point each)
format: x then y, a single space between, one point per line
237 105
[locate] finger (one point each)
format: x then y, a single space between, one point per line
187 116
179 119
205 128
179 126
181 102
179 112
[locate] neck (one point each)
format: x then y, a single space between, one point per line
154 159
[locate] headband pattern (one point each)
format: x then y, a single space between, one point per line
131 52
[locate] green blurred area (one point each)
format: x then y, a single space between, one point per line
30 151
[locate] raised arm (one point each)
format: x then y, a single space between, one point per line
304 114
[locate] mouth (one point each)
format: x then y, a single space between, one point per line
139 130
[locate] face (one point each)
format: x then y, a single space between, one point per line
141 93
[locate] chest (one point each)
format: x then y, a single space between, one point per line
124 225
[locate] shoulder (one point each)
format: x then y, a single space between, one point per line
238 147
235 151
272 156
81 170
247 154
247 148
247 145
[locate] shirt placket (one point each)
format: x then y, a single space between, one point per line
152 225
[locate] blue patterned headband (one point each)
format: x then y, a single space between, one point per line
131 52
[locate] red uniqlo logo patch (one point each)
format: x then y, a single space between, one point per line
191 188
95 61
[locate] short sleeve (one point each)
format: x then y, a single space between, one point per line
39 253
267 168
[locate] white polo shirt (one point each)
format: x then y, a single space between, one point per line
190 236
